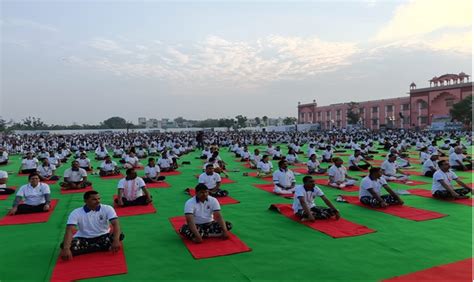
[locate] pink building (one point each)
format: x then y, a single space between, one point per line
416 110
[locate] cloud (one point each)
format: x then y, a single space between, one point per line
108 46
24 23
429 24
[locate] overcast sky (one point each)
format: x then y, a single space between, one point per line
85 61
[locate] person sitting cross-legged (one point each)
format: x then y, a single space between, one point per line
75 177
370 190
391 171
212 180
430 166
94 233
46 171
338 177
29 164
314 166
284 179
36 197
458 161
3 184
264 167
442 187
152 172
304 206
354 162
108 167
203 217
132 191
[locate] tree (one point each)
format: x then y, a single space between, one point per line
241 120
179 121
33 123
114 123
462 110
3 125
289 121
257 121
353 113
265 120
226 122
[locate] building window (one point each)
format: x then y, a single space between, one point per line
319 114
328 124
328 114
302 115
338 123
375 110
375 121
390 108
361 111
449 102
338 113
423 105
310 115
424 120
406 120
405 107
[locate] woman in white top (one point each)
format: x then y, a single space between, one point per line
36 197
29 164
291 157
46 171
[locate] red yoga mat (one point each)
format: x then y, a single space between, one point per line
23 174
413 172
335 228
342 154
49 182
222 200
160 184
456 271
269 188
405 212
30 217
428 194
268 178
74 191
133 210
4 197
324 182
91 265
170 173
118 176
247 165
210 247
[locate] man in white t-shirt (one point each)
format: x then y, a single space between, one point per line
442 184
84 162
131 161
457 160
338 177
255 158
29 164
265 167
108 167
94 233
152 172
132 191
212 181
314 165
327 155
430 166
354 161
3 184
203 217
391 170
284 179
370 191
36 197
3 156
75 177
304 206
46 171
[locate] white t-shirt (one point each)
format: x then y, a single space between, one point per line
29 164
203 212
312 165
131 160
327 154
164 162
368 183
339 173
453 158
3 175
33 195
424 157
132 189
389 168
75 176
46 171
92 223
209 180
284 178
448 177
427 164
83 162
152 171
265 167
308 196
354 161
3 156
108 166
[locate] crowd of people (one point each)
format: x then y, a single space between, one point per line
440 156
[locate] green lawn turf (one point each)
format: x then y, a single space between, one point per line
281 249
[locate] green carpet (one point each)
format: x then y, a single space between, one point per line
281 249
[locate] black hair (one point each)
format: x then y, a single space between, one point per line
88 194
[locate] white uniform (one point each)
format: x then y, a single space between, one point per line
203 211
92 223
390 171
132 189
308 196
210 180
448 177
34 195
339 174
75 176
285 179
368 183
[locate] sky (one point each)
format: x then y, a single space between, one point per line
85 61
